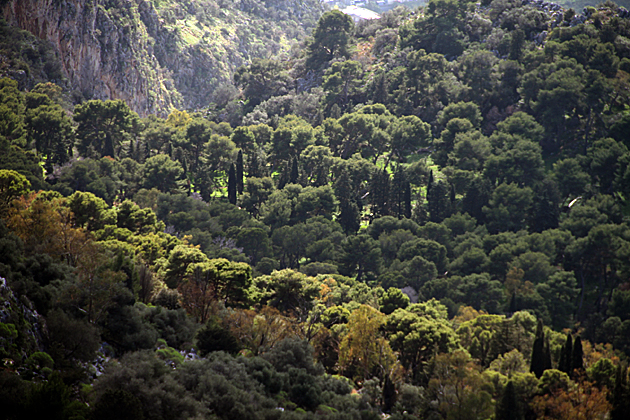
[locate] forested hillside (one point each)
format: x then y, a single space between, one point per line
423 216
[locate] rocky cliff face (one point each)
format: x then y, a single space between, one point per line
105 54
177 56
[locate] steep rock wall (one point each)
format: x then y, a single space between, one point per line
105 52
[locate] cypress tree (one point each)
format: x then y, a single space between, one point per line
389 394
507 408
132 149
513 305
398 194
577 355
407 200
379 193
239 172
545 211
621 394
547 356
254 166
537 363
232 185
438 202
540 332
181 158
565 355
284 178
516 44
349 217
147 150
381 95
295 172
502 340
475 198
349 211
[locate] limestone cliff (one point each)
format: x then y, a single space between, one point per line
104 54
161 54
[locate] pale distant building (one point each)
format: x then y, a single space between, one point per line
360 13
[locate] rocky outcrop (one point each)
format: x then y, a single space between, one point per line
181 55
21 328
106 52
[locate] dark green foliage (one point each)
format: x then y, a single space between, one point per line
293 354
13 395
71 339
167 298
566 356
545 210
261 80
621 393
50 129
232 187
577 356
380 193
540 360
239 172
304 389
476 198
508 408
543 194
103 178
172 325
29 59
118 404
125 328
360 255
164 174
148 379
392 300
439 203
51 399
103 127
330 38
348 208
508 208
215 337
295 172
441 31
389 394
15 158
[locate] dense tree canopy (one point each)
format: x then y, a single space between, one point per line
431 209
